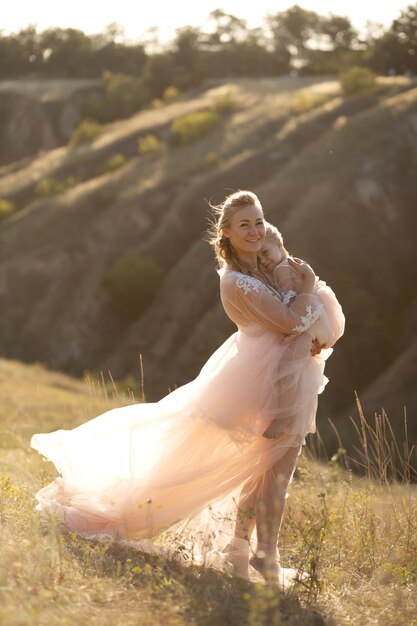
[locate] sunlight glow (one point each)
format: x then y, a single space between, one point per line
136 19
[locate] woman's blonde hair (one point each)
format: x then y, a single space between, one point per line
272 233
223 213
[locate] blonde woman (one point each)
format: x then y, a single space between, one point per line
137 470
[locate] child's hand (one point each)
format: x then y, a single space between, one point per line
317 347
301 267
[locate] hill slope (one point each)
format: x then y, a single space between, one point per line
338 180
348 534
39 115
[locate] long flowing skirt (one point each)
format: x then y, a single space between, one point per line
136 471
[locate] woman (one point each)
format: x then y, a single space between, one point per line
137 470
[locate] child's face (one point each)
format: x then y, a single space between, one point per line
270 255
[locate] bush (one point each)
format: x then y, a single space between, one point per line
305 101
51 187
133 283
358 80
171 94
213 160
225 103
156 103
150 144
86 132
123 96
6 208
193 126
114 163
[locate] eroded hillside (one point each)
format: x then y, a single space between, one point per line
338 180
39 115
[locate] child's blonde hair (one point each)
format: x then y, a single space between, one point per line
272 234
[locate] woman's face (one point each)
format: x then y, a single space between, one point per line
246 230
270 255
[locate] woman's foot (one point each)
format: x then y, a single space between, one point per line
274 574
267 566
237 558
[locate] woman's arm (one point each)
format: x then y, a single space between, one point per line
248 300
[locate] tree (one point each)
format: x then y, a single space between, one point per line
187 56
20 53
159 73
405 30
69 52
228 28
339 32
292 30
397 48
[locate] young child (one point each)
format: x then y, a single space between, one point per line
323 326
273 260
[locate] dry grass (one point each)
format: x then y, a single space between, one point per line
355 536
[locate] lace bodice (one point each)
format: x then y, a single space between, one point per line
247 301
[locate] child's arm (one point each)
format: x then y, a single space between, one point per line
284 281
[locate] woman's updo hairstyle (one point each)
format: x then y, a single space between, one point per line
223 213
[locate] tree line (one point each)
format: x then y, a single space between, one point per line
292 40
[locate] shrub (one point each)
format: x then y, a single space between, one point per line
150 144
6 208
305 101
358 80
213 160
225 103
96 108
114 163
156 103
123 96
51 187
133 283
86 132
193 126
171 94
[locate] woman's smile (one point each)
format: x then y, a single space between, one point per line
247 233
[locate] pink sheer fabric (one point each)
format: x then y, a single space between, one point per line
330 326
179 463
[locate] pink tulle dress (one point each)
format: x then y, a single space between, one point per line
137 471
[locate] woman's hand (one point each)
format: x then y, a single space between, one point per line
316 347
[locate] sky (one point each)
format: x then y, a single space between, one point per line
136 16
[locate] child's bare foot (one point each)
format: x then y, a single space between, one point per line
274 429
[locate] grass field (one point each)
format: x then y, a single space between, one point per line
355 537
